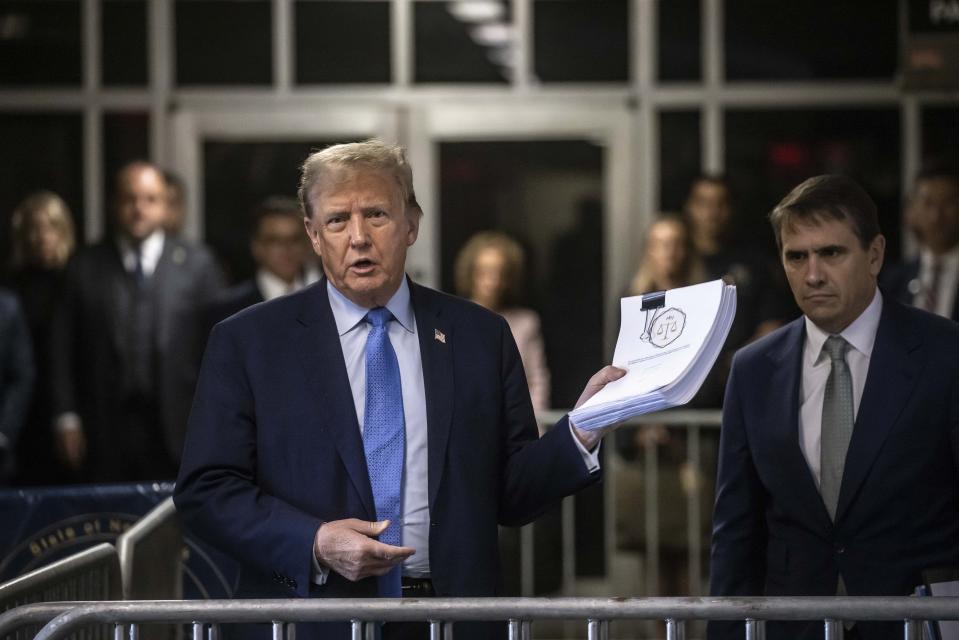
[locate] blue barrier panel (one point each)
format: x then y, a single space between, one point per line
41 525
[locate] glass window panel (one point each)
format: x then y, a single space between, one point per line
680 38
328 49
817 39
124 43
549 196
940 133
39 151
237 176
680 156
126 137
40 43
222 42
581 40
464 41
770 152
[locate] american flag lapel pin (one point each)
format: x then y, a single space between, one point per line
439 336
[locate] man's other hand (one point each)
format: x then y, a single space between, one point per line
348 547
71 445
599 380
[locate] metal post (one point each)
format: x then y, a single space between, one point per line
597 630
213 632
514 629
134 633
755 629
119 630
912 630
279 632
675 629
447 631
356 630
834 630
198 631
436 630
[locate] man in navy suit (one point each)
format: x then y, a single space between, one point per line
275 469
280 252
839 455
930 281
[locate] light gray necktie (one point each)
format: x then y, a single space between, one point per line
837 423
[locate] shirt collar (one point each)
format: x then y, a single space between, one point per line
948 260
347 314
151 248
860 334
273 287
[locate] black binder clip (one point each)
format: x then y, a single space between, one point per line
655 300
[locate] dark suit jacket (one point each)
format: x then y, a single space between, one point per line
89 326
16 376
274 447
895 280
235 299
898 507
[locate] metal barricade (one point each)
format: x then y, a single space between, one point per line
92 574
594 614
150 556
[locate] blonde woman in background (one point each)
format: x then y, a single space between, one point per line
490 271
669 259
43 241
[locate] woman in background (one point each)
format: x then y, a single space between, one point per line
669 259
43 241
489 271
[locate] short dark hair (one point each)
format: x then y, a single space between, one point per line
270 206
718 179
833 197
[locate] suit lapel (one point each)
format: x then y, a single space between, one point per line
795 477
436 352
321 356
893 372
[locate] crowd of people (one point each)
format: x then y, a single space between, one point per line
101 346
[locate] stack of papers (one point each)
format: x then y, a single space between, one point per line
668 342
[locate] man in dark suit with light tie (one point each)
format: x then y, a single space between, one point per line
839 454
126 338
366 435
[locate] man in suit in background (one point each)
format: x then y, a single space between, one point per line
839 454
17 374
931 280
126 337
280 252
366 435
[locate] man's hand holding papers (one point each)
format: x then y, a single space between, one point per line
668 342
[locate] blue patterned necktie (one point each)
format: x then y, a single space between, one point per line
837 423
384 436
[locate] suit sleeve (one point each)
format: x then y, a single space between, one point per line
738 563
216 491
537 473
64 327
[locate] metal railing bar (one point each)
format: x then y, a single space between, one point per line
597 610
912 630
134 631
755 629
36 613
675 629
198 630
833 629
436 630
71 566
597 630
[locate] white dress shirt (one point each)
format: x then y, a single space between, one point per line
353 332
271 286
948 281
151 248
861 335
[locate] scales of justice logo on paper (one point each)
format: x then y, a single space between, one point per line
663 326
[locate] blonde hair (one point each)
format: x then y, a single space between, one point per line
691 271
515 259
369 154
51 205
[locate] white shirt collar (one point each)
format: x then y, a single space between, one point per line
348 315
272 286
860 334
948 261
151 248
